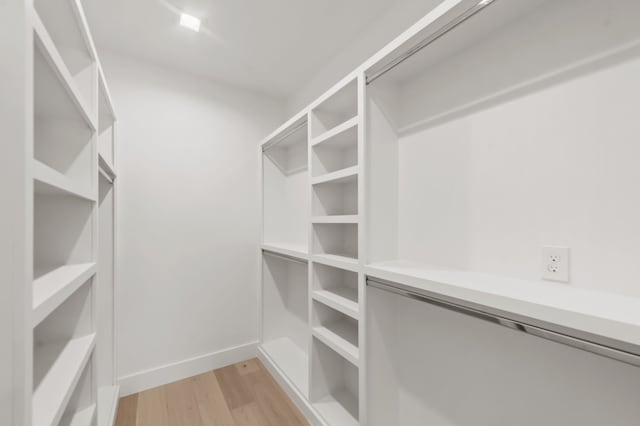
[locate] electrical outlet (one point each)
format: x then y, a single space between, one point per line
555 264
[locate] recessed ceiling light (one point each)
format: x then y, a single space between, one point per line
190 22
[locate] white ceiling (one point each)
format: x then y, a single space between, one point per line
272 46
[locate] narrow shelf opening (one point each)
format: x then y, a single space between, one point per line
338 197
336 239
337 153
336 330
336 110
336 288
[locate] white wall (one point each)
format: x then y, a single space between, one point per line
374 37
188 219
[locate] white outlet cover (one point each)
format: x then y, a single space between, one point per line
555 263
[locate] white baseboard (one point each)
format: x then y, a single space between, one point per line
169 373
296 396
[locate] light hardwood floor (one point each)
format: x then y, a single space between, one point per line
243 394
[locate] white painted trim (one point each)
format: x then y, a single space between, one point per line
172 372
292 391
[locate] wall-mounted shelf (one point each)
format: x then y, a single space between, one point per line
49 181
53 288
83 417
342 262
56 384
298 251
344 176
340 136
344 300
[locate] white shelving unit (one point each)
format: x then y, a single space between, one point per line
433 182
61 334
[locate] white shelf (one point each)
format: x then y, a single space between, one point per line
292 360
48 49
51 396
106 168
337 134
342 262
299 251
342 299
611 319
341 409
53 288
348 174
344 218
342 337
85 417
50 181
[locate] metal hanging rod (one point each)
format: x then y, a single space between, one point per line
558 337
284 256
282 137
429 40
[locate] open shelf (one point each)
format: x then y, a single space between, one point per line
458 164
347 175
293 361
345 218
338 109
426 363
336 330
337 151
106 129
285 307
57 370
342 262
336 288
334 388
49 181
65 23
81 409
53 288
337 239
85 417
106 168
293 250
286 187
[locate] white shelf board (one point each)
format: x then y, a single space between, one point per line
292 360
106 168
104 95
342 299
348 174
605 318
345 218
298 251
341 262
50 181
85 417
108 397
341 409
56 385
339 135
342 337
48 49
53 288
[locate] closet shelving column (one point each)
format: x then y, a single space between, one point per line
335 148
64 172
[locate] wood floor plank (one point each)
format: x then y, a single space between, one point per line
127 411
250 415
236 392
182 403
243 394
213 407
152 408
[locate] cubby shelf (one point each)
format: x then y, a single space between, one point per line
85 417
338 135
298 251
47 47
342 262
346 175
56 385
339 409
342 299
292 360
339 218
340 336
53 288
50 181
106 168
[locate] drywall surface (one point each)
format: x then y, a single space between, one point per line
188 207
374 37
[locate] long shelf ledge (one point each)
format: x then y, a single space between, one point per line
52 289
341 176
50 181
298 251
341 262
106 168
603 318
341 299
52 395
346 218
51 54
336 132
84 417
342 337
